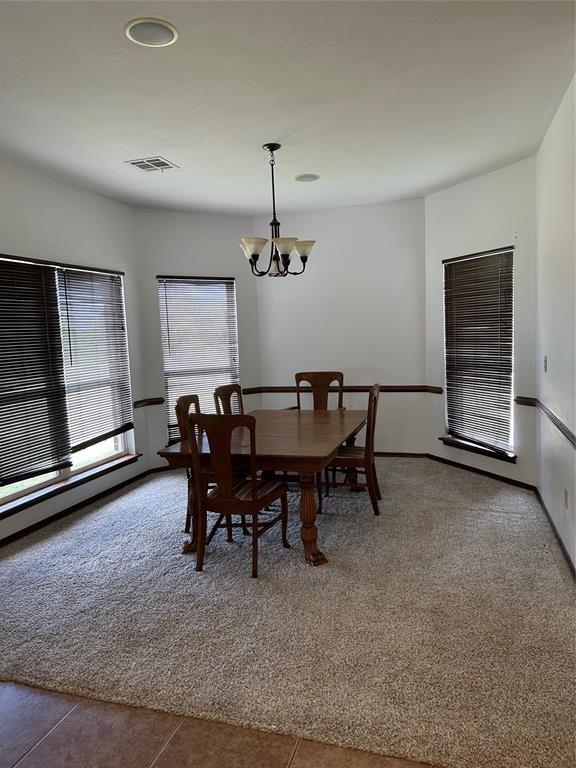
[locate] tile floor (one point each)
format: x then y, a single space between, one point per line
41 729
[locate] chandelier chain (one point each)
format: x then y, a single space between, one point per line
272 163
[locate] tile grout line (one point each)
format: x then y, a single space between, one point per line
168 740
43 737
293 755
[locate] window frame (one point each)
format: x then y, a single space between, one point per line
123 441
468 443
121 449
234 366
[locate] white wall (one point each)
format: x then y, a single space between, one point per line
370 303
556 317
359 309
191 244
491 211
48 219
44 218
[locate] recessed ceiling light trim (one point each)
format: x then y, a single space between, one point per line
151 33
307 177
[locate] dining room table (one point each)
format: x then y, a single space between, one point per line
299 442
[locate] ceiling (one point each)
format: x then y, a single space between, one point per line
385 100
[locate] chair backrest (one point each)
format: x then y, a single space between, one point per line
217 431
228 400
373 397
185 405
320 381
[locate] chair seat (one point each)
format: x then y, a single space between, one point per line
242 489
349 455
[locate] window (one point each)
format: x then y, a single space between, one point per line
65 399
199 339
96 371
478 323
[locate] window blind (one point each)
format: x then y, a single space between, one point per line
199 340
34 436
96 367
478 317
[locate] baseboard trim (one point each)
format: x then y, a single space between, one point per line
400 454
76 507
64 486
553 526
518 484
381 454
484 472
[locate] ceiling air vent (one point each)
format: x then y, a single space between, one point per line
152 164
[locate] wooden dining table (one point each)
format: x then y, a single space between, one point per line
295 441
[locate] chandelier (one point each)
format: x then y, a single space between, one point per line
282 249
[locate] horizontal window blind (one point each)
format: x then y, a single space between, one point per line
199 340
96 368
34 436
478 317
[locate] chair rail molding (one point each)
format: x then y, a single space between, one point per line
148 401
265 390
533 402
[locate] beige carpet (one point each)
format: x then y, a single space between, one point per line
442 631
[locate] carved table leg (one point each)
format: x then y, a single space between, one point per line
309 532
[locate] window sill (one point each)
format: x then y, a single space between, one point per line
465 445
61 486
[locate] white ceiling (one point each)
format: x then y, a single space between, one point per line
385 100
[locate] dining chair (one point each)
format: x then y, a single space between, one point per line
185 405
228 400
361 459
246 497
320 382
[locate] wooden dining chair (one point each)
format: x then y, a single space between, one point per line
185 405
361 459
320 382
228 400
246 497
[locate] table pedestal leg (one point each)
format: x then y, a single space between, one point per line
309 532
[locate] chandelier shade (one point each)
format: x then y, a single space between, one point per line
281 248
304 247
253 246
285 245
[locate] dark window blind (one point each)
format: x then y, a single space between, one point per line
478 317
199 340
34 435
96 368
